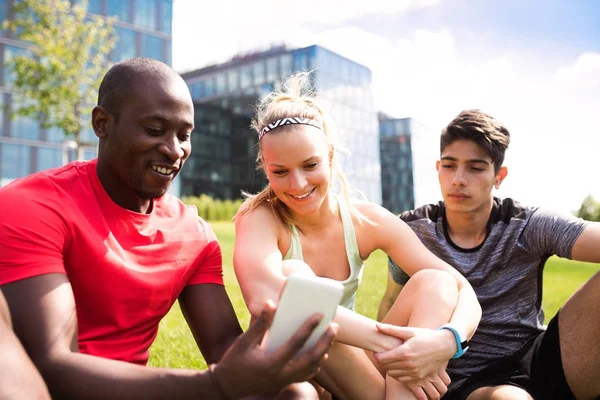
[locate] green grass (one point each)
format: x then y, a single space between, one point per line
175 347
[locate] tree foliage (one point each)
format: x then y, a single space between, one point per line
211 209
589 210
56 80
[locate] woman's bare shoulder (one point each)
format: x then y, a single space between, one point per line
260 217
372 211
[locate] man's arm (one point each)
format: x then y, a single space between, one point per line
587 246
19 379
45 320
392 291
212 320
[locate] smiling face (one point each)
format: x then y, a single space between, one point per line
145 145
466 176
297 162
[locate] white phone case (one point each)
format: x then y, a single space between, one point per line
303 296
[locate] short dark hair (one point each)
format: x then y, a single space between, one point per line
119 81
481 128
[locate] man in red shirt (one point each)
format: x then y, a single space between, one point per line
94 254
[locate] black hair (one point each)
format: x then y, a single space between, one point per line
119 81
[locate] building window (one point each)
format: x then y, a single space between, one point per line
3 8
16 161
195 90
220 84
167 16
286 64
145 14
125 46
259 73
89 153
55 135
152 47
209 87
246 77
301 61
24 127
9 53
94 6
48 158
272 69
233 79
119 9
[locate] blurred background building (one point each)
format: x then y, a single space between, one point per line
143 28
235 86
407 164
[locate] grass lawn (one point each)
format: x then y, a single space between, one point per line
175 346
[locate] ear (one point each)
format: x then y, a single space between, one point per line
500 176
437 165
101 120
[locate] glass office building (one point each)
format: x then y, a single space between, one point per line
396 163
408 154
142 27
235 86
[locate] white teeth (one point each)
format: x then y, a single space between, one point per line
162 170
301 196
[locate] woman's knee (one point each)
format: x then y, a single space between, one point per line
436 283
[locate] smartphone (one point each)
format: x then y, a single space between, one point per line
303 295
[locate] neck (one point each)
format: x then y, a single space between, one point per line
321 218
469 229
120 192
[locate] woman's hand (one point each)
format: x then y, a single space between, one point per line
422 353
431 387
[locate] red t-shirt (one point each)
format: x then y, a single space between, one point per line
126 269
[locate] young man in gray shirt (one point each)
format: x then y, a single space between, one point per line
501 246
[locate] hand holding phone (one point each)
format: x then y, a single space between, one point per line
303 295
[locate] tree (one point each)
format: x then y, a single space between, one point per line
57 80
590 209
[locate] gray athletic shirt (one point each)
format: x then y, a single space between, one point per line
505 272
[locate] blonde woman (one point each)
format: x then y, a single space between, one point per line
297 222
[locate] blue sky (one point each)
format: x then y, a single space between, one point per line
535 65
561 28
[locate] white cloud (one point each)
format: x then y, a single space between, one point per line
205 34
585 72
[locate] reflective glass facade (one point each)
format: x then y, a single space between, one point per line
142 27
395 137
234 88
345 90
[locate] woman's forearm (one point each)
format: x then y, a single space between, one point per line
359 331
467 313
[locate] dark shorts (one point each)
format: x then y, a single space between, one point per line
536 367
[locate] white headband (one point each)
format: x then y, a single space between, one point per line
289 121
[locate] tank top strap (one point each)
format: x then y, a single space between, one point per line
352 250
295 250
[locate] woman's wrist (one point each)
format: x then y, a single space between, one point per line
383 342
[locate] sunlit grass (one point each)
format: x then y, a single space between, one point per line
175 346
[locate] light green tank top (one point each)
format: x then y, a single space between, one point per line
356 263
